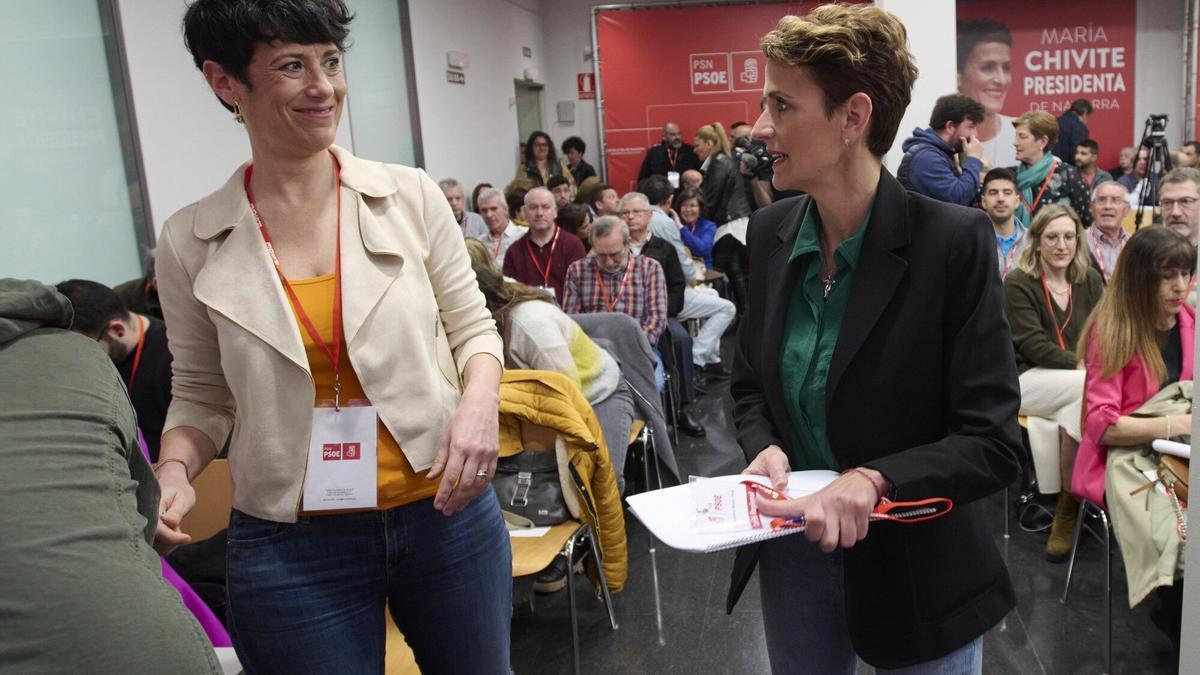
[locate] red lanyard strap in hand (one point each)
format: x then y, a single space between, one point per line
1059 329
545 274
332 351
886 509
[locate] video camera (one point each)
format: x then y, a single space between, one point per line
754 156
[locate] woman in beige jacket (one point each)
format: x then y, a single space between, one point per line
323 307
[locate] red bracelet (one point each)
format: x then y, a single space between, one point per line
880 492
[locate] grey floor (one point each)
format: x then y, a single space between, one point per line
684 628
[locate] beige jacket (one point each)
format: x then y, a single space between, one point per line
412 316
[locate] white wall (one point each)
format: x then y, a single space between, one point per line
190 143
1158 68
928 23
470 131
568 25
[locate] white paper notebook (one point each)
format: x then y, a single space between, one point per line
669 514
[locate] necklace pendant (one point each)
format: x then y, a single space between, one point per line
829 281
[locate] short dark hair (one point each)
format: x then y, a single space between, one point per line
739 123
555 181
976 31
574 143
1091 145
95 305
1081 106
596 193
999 173
955 108
1194 144
571 217
227 31
656 188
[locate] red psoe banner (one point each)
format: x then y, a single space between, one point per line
1055 58
687 65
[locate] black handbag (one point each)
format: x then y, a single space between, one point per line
527 484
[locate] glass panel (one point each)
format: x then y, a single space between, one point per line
377 75
64 194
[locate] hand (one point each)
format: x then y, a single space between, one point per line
470 444
176 501
973 147
834 516
675 216
773 464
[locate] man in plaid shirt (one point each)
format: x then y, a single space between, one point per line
612 279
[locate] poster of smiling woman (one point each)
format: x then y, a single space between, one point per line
1016 57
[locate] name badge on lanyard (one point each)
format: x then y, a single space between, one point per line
673 178
342 471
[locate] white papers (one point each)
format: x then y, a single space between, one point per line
1173 448
531 532
669 513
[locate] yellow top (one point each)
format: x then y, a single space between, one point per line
398 483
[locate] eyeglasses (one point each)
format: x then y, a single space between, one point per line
1170 204
629 213
1114 200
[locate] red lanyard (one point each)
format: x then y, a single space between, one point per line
1042 191
621 289
545 274
332 351
137 354
496 248
1070 308
672 159
1096 248
1009 259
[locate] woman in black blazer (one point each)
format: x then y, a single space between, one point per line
726 205
875 344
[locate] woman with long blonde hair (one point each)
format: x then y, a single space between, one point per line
1047 300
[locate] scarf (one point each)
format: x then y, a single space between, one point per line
1030 179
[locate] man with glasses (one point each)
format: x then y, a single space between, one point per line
1105 238
137 345
1179 199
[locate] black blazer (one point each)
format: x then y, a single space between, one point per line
724 191
922 387
658 163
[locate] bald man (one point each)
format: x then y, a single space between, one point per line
669 158
541 257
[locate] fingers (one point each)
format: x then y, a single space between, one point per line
439 461
451 470
783 508
777 469
168 537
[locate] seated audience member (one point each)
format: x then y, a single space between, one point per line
671 157
699 302
999 198
475 195
1047 300
635 284
601 200
930 166
1085 160
1189 155
1124 163
1105 238
562 190
576 219
585 188
136 343
635 211
471 224
1072 129
1043 178
514 196
541 257
141 295
691 179
1138 341
1143 187
540 163
696 230
501 232
573 149
539 336
82 587
1179 199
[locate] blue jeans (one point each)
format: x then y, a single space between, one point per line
804 615
308 597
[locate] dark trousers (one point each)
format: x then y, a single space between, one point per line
728 254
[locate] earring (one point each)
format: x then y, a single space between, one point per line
846 142
237 114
